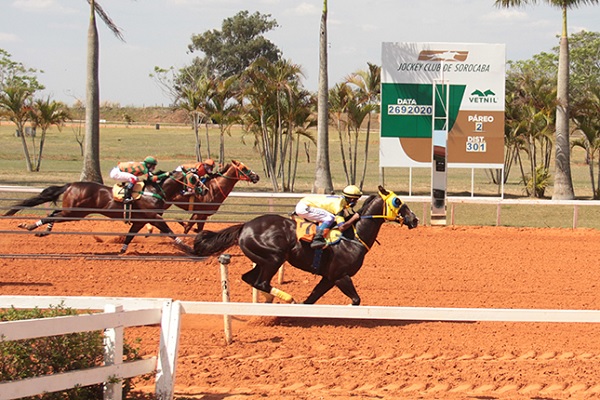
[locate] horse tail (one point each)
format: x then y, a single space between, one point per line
208 243
50 194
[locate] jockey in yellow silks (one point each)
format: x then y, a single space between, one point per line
323 209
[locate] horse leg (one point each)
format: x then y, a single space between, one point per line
164 228
48 220
346 285
255 278
135 228
322 287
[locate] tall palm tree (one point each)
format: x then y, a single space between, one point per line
91 149
563 183
323 183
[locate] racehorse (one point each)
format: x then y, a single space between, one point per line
80 199
219 188
270 240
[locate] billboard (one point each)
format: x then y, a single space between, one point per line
473 76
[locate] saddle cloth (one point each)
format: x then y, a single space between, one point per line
118 191
306 230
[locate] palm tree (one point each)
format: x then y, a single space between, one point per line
368 90
563 183
323 183
587 118
91 150
15 104
46 113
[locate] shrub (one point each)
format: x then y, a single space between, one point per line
28 358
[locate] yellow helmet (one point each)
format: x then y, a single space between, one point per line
352 192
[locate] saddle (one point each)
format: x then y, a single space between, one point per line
118 191
306 230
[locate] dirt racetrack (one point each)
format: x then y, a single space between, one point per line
293 358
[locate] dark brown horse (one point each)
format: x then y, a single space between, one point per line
80 199
270 240
219 188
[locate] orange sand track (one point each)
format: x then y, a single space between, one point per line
292 358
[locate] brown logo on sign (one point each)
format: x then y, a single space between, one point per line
443 55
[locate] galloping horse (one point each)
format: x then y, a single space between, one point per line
219 188
270 240
80 199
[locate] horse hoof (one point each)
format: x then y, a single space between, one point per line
41 234
23 225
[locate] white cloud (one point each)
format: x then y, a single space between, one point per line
42 6
511 15
369 28
8 37
304 9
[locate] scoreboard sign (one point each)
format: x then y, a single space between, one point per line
473 75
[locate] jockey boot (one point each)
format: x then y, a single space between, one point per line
319 241
127 191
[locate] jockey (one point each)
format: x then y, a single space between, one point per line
132 171
203 169
324 208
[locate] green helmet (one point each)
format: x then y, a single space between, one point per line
150 161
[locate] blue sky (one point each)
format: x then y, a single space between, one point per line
50 35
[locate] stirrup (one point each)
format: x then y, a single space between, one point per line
128 200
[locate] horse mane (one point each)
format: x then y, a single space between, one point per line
367 203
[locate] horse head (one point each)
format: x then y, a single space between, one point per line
396 210
243 173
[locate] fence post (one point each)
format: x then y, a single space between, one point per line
113 355
167 352
224 261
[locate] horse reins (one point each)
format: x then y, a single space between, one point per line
238 172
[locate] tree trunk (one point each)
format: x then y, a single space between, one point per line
563 184
323 183
91 150
21 130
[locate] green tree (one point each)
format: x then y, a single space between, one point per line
13 73
222 108
16 105
587 119
323 182
238 44
44 114
91 148
367 85
530 115
563 183
276 108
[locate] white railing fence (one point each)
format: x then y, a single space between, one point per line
118 314
124 312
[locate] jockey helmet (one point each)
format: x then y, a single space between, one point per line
352 192
209 162
150 161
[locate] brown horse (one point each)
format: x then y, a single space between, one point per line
80 199
219 187
270 240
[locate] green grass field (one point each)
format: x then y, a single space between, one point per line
174 144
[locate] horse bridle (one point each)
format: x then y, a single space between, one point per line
392 205
240 175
